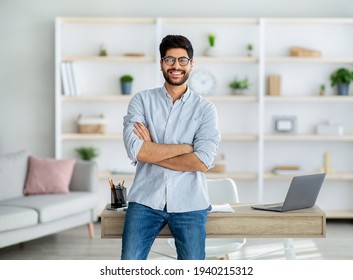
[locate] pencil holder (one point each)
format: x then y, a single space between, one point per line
118 197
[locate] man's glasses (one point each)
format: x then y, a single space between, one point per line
170 60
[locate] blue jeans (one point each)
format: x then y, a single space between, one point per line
143 224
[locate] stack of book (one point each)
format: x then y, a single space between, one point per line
287 170
298 51
69 81
274 85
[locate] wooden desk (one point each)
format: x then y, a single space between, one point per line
244 222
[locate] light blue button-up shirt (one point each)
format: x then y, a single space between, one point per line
190 120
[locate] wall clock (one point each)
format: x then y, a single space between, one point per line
202 82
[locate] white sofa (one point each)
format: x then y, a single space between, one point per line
26 217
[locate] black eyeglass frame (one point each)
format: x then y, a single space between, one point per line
176 58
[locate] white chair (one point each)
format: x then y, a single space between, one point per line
221 191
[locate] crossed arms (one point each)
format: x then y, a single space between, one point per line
178 157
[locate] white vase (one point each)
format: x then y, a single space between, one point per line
211 51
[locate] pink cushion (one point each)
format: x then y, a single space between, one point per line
46 175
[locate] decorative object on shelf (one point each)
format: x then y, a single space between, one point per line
126 84
103 51
342 78
287 170
239 86
274 85
329 128
87 153
327 168
249 48
322 90
211 50
91 124
69 81
134 54
304 52
285 124
202 81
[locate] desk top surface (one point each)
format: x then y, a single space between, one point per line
241 210
244 222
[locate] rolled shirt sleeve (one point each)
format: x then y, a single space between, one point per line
134 114
207 137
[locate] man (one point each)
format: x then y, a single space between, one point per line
171 133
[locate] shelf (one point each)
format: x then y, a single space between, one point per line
229 59
310 20
310 59
232 98
210 175
119 97
96 98
91 136
308 137
119 136
302 98
108 20
238 137
332 177
111 59
245 118
206 20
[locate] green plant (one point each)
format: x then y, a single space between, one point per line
249 47
126 78
103 51
211 39
342 75
322 87
239 84
87 153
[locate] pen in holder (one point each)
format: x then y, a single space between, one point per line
118 196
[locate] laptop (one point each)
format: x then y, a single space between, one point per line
302 193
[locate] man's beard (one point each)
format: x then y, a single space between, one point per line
176 83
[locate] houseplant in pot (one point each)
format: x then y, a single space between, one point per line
87 153
126 84
341 78
211 50
239 86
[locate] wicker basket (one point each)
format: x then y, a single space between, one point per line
303 52
91 124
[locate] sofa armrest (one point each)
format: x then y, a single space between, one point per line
84 176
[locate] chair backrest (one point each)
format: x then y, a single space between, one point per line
222 191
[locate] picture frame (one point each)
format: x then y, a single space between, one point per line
285 124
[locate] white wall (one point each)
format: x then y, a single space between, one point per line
27 51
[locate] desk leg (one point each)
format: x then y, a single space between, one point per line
289 250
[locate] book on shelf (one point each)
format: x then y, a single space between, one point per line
65 79
287 170
70 85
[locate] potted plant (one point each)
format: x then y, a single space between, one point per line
239 86
102 50
322 89
342 78
211 50
126 84
87 153
249 48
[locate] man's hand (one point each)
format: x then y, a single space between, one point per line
142 132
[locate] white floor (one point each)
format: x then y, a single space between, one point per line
75 245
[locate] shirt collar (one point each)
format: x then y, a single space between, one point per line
183 98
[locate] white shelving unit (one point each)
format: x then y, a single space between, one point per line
250 147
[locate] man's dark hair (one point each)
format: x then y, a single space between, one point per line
176 41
